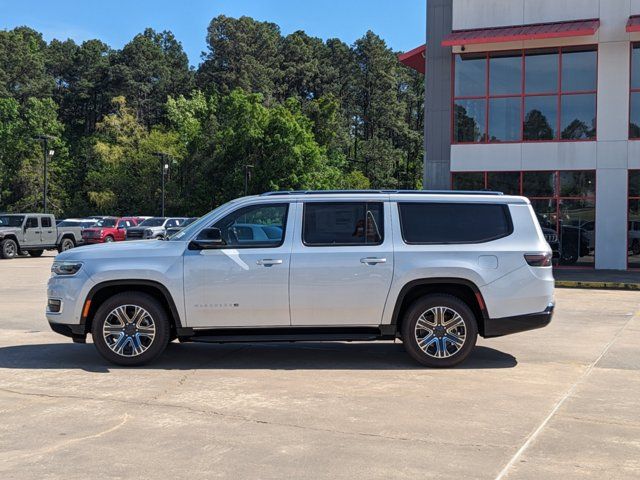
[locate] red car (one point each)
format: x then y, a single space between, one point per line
109 229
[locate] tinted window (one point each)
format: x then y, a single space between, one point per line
579 71
11 220
539 184
469 118
505 182
634 183
577 184
468 181
505 74
106 223
578 117
504 119
471 75
541 116
152 222
635 66
45 221
32 222
634 118
245 227
446 223
541 72
327 224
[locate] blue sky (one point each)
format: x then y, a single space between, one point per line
400 22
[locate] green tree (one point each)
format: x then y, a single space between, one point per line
243 53
126 172
149 69
22 65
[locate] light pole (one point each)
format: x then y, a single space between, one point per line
247 177
47 155
165 169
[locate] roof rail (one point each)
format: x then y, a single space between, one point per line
393 192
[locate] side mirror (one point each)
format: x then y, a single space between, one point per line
208 239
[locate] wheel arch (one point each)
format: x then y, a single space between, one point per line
463 289
100 292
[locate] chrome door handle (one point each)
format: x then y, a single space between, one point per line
268 262
373 260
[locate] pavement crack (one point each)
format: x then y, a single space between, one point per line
242 418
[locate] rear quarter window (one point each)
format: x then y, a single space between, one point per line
453 223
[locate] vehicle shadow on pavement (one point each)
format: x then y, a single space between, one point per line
255 356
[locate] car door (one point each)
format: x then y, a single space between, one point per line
341 263
32 232
49 233
244 283
121 228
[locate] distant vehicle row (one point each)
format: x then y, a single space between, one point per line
33 233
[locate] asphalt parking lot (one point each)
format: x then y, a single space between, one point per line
562 402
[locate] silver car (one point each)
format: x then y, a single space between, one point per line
434 270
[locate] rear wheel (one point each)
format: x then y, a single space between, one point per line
36 253
130 329
8 248
439 330
66 244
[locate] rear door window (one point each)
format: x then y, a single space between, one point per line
45 221
451 223
343 223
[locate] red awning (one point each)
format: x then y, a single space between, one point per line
575 28
633 25
414 58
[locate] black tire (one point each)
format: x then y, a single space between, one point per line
66 244
443 337
132 299
36 253
9 248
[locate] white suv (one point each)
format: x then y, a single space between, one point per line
434 269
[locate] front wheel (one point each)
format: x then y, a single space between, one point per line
66 244
108 239
8 248
439 330
130 329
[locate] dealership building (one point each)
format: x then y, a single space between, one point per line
540 98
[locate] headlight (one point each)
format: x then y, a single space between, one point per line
65 268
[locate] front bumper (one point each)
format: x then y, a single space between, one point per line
91 240
497 327
76 332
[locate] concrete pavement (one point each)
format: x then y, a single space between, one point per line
561 402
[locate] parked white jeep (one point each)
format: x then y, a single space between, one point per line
33 233
434 269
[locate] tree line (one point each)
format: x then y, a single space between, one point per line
262 111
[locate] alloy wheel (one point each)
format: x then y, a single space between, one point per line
129 330
440 332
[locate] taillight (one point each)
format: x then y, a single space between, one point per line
538 259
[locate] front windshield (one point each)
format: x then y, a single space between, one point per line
152 222
11 220
106 222
197 225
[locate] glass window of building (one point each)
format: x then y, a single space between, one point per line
634 110
531 96
633 239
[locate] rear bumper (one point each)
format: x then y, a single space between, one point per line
497 327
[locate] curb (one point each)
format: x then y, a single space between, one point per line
597 285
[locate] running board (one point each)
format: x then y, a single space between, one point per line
292 334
